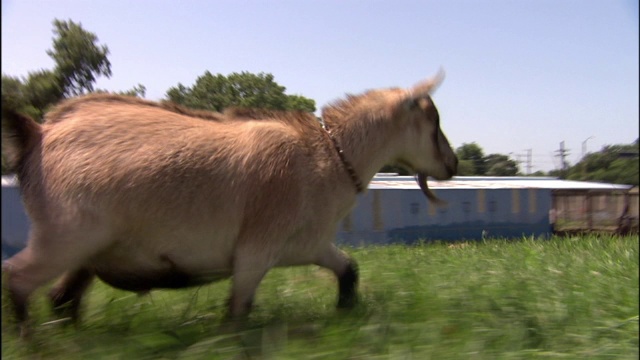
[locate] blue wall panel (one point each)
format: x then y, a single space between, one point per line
405 216
15 223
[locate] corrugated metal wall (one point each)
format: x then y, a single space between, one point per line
404 215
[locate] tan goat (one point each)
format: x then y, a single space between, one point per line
147 195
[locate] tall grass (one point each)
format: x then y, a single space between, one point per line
571 298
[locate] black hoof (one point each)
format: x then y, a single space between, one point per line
348 282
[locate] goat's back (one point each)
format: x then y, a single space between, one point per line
137 156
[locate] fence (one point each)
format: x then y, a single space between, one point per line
596 210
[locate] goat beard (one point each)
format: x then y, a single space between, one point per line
422 182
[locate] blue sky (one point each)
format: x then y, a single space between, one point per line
520 74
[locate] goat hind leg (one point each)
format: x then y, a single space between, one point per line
26 271
42 261
67 294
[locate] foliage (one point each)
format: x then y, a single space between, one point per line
13 93
78 61
616 164
500 165
474 153
217 92
570 298
43 88
613 164
138 90
465 168
300 103
78 58
472 161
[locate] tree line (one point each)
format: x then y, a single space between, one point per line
617 164
79 60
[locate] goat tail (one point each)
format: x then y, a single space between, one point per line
20 135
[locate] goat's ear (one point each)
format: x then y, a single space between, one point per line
424 88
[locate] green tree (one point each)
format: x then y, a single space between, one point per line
616 164
179 94
13 92
41 89
465 168
300 103
217 92
138 90
78 58
500 165
78 61
474 153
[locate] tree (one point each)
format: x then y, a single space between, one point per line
13 95
465 168
616 164
473 153
138 90
300 103
78 58
78 61
500 165
41 89
217 92
473 162
179 95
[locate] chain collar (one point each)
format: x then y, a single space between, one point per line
347 165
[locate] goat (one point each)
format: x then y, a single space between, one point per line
148 195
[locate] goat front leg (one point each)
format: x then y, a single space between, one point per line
346 270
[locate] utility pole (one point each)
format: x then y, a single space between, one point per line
529 151
562 154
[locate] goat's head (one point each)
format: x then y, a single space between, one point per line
426 151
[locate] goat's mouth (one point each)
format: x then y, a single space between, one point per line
421 178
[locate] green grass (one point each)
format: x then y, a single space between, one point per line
572 298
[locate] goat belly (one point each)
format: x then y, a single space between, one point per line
169 276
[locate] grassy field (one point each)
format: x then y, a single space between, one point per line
573 298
